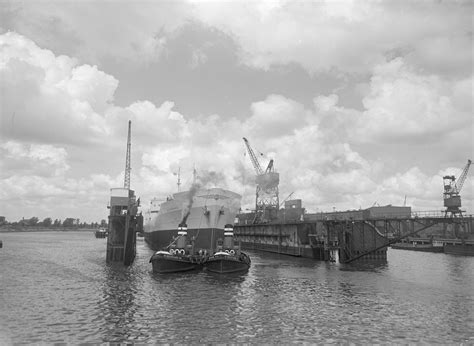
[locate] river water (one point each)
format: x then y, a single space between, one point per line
56 287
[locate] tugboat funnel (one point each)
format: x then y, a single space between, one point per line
182 229
228 236
228 230
182 233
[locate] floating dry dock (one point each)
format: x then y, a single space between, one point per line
348 239
315 239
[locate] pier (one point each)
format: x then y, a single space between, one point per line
124 223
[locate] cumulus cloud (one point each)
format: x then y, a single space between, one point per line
402 103
344 35
275 116
64 136
320 36
60 27
39 159
53 98
151 124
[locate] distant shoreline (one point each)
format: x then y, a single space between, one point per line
13 229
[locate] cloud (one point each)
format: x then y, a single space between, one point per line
87 84
151 124
53 98
60 27
321 36
64 138
275 116
402 103
346 36
42 160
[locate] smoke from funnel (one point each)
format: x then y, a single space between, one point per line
206 179
212 179
191 193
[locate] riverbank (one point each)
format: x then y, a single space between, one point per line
12 229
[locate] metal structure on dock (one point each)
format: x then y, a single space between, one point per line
124 220
266 195
452 188
352 239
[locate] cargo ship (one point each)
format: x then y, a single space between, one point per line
205 211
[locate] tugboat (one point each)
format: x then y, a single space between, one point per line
228 258
101 233
180 256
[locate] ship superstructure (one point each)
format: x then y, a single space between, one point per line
206 211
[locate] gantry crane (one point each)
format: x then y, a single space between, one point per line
452 188
266 195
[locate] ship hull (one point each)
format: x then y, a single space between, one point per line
204 238
204 211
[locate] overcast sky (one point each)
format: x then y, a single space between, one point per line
358 102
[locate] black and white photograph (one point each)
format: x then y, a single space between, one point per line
236 172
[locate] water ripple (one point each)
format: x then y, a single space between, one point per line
56 287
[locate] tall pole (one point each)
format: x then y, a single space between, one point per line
126 183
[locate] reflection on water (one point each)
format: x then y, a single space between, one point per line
56 287
118 302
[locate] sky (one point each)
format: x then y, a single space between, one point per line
359 103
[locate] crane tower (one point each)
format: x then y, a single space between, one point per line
126 182
266 195
452 188
124 220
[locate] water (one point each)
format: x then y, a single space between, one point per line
56 287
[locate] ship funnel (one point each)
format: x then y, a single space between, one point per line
228 236
182 229
182 233
228 230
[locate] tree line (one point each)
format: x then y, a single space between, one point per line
48 222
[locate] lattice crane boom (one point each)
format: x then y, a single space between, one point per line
126 183
463 176
253 158
269 167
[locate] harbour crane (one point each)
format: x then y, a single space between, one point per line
124 219
452 188
266 195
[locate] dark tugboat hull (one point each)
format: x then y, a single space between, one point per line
166 263
100 234
225 264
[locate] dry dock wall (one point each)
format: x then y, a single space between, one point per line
315 239
304 239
